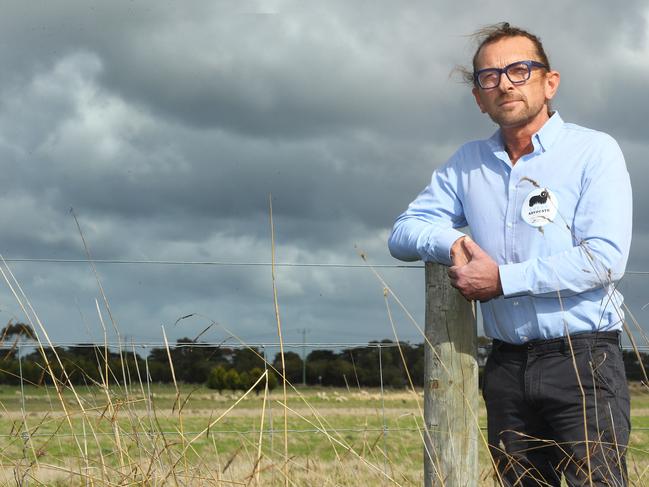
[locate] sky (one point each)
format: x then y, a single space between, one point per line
169 126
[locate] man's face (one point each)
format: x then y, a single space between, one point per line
512 105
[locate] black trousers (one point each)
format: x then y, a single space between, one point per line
552 412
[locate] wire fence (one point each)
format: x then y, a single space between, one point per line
265 349
144 345
143 349
333 265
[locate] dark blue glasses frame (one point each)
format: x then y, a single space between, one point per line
518 77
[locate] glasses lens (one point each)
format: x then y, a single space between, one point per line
489 78
518 73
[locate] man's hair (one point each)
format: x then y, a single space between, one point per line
496 32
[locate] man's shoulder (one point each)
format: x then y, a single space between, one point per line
594 147
575 131
472 151
469 156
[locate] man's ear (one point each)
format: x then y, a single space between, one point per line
476 95
552 80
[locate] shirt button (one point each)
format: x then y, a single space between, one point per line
509 224
516 304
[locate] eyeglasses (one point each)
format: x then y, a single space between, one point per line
518 73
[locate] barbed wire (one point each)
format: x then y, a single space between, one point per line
214 263
334 265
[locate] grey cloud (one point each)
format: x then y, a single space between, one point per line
167 127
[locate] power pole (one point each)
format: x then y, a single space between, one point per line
303 330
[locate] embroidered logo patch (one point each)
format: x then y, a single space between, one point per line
539 207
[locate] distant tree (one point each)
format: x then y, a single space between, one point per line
255 374
416 364
47 363
336 371
293 364
16 332
245 381
192 361
320 355
365 364
13 330
315 371
633 367
232 380
245 359
10 372
272 380
216 379
159 371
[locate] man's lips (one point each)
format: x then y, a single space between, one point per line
511 101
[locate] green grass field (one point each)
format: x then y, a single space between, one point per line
200 437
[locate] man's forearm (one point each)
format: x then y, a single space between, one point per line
414 239
578 270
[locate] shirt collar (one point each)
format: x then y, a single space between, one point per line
549 133
543 139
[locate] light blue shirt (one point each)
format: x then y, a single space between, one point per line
557 277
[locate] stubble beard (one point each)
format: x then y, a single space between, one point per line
518 117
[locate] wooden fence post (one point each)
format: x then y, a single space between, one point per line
450 385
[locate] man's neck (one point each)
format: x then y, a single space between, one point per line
518 139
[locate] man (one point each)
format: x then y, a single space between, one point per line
549 208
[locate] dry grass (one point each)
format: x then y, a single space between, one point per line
141 434
329 444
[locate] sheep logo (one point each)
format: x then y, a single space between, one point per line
539 199
539 207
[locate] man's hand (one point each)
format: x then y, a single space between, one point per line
479 279
459 254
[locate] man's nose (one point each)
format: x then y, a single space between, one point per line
505 84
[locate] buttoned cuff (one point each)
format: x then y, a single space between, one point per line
437 245
513 279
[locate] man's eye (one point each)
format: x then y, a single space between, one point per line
491 76
518 72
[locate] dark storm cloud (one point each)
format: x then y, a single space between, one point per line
167 126
105 159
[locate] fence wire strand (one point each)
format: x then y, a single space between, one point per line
333 265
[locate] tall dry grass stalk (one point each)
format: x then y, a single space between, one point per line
279 334
114 432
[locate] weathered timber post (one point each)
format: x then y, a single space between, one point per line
450 385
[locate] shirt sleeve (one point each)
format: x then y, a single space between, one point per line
601 235
428 228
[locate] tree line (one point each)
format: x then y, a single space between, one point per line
393 364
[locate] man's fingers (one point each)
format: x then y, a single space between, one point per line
472 248
459 255
452 274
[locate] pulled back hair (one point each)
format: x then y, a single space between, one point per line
494 33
